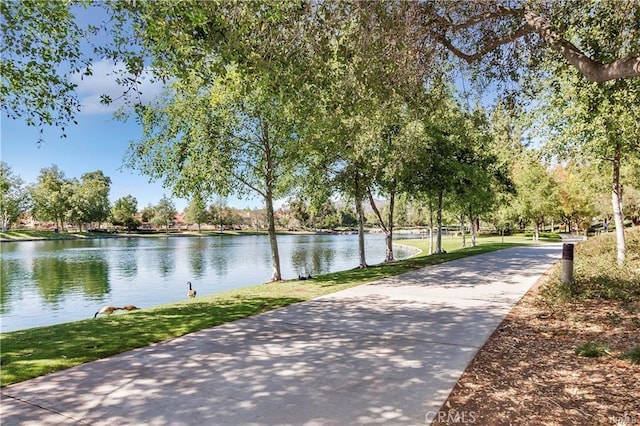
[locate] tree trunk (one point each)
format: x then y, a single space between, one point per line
473 226
464 234
616 201
439 220
273 242
389 231
386 227
268 198
360 214
430 227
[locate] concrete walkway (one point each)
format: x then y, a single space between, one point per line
388 352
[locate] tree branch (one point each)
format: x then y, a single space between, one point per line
534 23
592 70
376 211
502 11
488 47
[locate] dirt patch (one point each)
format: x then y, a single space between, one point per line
528 373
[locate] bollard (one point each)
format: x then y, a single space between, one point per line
567 263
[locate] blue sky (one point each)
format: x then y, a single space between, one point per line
97 142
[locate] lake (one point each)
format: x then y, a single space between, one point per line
52 282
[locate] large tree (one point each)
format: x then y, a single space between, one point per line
226 124
537 193
51 196
589 49
90 199
164 213
196 211
576 195
596 122
478 176
370 65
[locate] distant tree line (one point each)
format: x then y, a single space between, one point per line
541 197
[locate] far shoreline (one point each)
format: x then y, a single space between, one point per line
15 236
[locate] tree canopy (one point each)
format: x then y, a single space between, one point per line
508 35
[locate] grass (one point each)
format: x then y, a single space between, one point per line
18 235
592 350
38 351
633 355
596 274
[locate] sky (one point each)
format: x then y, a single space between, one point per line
97 142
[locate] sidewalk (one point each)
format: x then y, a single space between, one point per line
387 352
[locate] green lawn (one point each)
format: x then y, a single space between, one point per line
34 352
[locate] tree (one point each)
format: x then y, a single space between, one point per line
51 196
14 197
395 137
40 52
124 212
482 31
370 62
225 125
594 122
299 211
217 213
537 192
164 213
196 211
478 176
90 199
576 197
147 213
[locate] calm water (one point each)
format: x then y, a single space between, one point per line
51 282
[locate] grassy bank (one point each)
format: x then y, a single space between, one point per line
597 274
34 352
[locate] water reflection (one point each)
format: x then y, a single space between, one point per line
48 282
197 259
125 260
56 277
7 285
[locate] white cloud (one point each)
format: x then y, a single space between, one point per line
103 81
